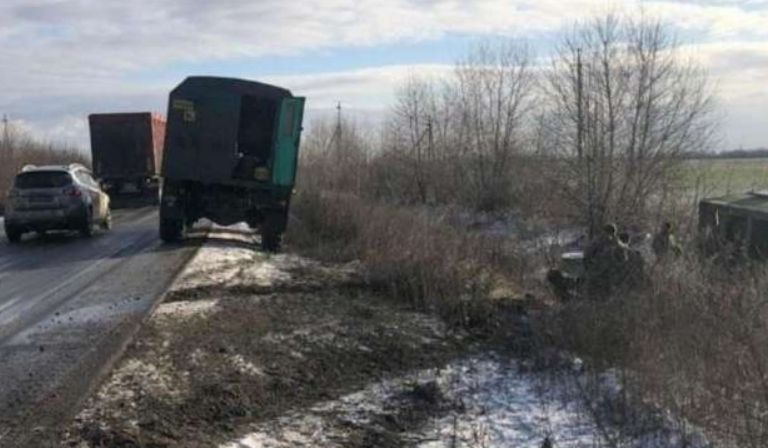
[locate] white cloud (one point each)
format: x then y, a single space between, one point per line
65 58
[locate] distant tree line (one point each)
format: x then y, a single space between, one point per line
756 153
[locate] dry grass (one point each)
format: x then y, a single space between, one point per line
468 279
695 343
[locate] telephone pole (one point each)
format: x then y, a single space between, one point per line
337 133
6 147
580 143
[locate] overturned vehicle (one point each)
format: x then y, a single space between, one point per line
231 150
738 223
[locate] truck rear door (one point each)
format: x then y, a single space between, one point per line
286 141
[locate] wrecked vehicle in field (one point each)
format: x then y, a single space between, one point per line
573 278
127 150
567 279
736 222
231 151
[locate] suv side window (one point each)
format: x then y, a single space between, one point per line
80 178
91 181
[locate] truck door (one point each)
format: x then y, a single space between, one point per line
286 141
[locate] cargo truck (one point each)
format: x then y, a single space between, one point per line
231 150
127 150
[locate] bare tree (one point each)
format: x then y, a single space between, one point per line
623 104
411 134
493 91
458 138
334 156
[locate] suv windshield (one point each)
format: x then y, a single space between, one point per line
43 179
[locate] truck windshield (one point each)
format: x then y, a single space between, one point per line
43 179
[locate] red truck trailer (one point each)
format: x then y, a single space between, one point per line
127 152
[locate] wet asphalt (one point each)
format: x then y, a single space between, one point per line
68 305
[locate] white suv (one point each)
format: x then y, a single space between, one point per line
55 198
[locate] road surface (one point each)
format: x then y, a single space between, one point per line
67 306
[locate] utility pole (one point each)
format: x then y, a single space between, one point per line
579 93
431 140
338 131
580 143
6 147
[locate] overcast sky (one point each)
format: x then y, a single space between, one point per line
63 59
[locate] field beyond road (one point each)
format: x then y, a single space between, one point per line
714 177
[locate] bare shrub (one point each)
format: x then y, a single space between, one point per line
622 106
410 256
457 139
695 343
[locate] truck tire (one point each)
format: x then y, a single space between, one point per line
270 242
13 234
272 232
171 229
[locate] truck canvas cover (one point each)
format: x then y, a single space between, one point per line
232 131
740 219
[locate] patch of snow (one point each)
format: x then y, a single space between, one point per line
245 367
133 379
213 265
267 272
186 308
496 405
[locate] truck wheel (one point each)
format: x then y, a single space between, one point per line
171 229
270 241
272 232
13 234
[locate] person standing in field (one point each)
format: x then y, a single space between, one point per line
604 260
633 274
664 242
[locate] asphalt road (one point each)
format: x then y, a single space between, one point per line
68 305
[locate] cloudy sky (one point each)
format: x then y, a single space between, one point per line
63 59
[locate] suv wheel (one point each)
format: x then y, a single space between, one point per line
107 223
13 234
86 228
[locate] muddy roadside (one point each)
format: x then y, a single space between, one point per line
245 338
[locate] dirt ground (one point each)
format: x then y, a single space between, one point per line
250 350
244 338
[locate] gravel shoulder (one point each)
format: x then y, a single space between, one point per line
244 337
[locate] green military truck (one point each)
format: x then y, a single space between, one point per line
231 150
738 222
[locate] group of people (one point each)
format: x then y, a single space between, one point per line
612 265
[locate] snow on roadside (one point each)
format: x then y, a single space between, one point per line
494 404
